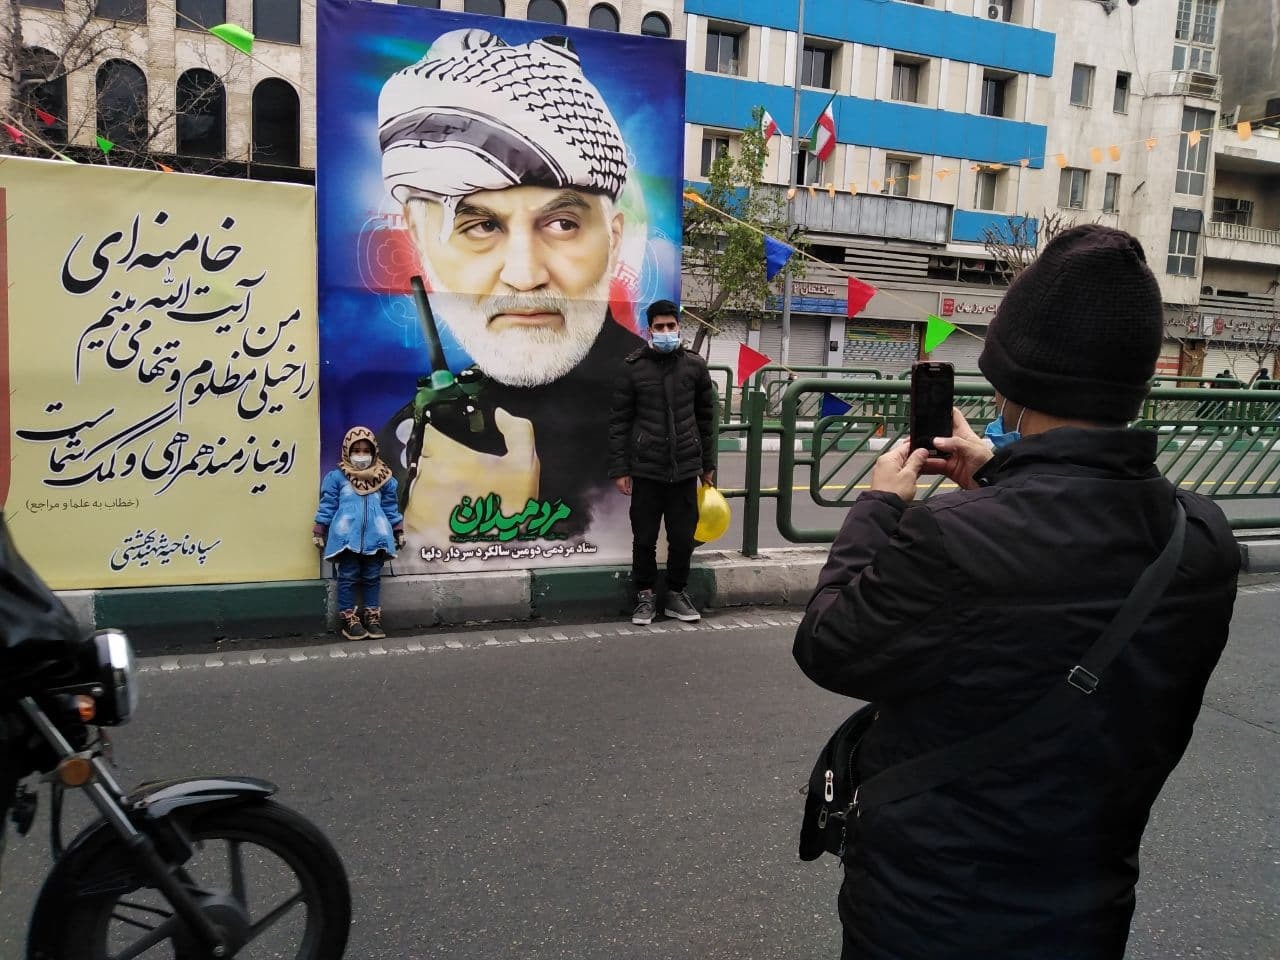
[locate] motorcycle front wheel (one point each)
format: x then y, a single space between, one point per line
267 877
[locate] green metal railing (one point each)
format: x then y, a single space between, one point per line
1219 442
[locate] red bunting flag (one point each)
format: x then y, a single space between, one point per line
749 361
14 133
45 117
860 295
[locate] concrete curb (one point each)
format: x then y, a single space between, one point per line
196 617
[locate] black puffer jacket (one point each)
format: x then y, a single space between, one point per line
953 615
664 407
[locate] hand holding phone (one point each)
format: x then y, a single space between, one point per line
932 397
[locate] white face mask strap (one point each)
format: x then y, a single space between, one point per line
1017 427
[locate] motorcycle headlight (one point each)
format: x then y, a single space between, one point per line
118 676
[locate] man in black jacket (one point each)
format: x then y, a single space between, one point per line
659 448
954 615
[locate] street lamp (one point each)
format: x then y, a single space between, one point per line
791 180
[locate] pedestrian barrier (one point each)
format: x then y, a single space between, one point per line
1223 443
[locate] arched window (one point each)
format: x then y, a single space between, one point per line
655 25
546 11
279 20
122 104
492 8
44 91
604 17
202 115
275 124
195 14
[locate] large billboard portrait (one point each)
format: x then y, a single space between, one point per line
498 202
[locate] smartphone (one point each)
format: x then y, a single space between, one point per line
932 397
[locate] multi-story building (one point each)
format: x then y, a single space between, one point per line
156 84
958 117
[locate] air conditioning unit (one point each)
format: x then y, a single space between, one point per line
1202 84
995 11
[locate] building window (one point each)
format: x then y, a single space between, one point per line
200 14
135 11
546 11
722 52
984 194
897 177
275 123
995 87
1233 210
278 20
906 80
45 89
490 8
655 25
1199 59
808 168
815 71
714 146
604 17
1120 102
122 104
1183 247
46 4
1082 85
1111 194
1073 187
1205 27
425 4
1182 26
1193 160
201 103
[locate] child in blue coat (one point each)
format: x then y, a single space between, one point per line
359 526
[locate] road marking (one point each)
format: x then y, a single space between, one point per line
468 641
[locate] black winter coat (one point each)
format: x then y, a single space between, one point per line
954 614
664 407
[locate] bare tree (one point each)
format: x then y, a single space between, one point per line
1018 241
53 49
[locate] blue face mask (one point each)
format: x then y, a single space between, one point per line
665 342
996 433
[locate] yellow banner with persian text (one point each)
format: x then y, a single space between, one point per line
159 341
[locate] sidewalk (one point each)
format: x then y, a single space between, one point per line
196 617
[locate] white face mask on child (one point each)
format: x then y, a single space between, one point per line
362 461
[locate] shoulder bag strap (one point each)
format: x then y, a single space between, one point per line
937 767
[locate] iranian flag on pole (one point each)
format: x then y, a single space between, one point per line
822 138
768 126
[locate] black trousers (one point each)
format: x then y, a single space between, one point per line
652 502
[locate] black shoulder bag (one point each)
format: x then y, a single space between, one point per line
835 797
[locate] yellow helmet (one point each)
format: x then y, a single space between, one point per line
713 514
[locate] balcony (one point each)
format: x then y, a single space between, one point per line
1260 154
872 215
1186 83
1231 241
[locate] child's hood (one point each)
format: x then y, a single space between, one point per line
354 436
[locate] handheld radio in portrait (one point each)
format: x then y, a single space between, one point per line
932 397
451 403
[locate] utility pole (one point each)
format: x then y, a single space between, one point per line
792 180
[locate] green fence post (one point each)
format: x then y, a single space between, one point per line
753 413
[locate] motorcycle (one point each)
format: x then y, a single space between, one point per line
206 868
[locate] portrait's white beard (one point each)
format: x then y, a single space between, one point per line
523 356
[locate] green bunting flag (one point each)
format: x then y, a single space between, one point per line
935 331
234 35
104 144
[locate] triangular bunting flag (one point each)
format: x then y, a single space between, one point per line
45 117
791 193
831 190
1061 160
1095 154
234 35
693 197
875 186
936 330
776 255
749 361
1024 162
164 166
14 133
1114 152
105 145
1193 138
1151 143
943 173
1244 129
853 188
832 406
860 295
812 191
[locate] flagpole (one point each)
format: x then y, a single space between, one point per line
791 179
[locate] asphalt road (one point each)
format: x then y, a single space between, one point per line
583 792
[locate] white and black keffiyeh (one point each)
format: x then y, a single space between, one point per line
478 114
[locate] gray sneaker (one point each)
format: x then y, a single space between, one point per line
679 605
646 609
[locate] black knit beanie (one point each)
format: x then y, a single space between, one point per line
1079 332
